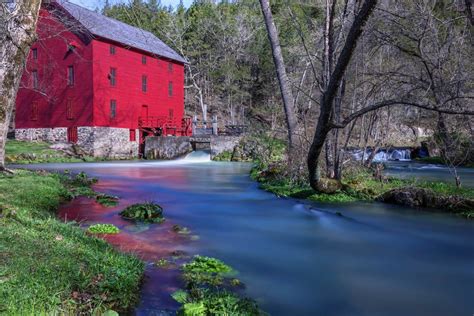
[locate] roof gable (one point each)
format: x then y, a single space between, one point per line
108 28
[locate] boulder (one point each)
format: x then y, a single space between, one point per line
329 186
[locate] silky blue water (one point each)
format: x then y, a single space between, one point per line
299 258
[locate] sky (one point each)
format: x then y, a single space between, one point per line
91 4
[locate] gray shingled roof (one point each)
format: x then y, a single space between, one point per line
105 27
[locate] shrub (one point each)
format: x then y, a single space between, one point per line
144 212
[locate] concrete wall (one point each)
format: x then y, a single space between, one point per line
220 144
159 147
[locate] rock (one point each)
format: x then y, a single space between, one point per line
237 154
329 186
61 146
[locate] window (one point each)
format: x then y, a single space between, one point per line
34 52
112 50
144 83
170 67
133 136
70 75
144 60
34 79
34 111
69 110
113 109
170 88
170 113
113 76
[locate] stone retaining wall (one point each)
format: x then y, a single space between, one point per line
220 144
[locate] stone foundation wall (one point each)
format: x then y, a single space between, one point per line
52 135
108 142
105 142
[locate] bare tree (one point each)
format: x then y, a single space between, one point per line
285 85
324 124
17 33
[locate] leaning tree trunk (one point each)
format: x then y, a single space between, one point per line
324 124
17 33
285 86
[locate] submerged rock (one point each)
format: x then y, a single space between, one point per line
420 197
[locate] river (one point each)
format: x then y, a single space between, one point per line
295 258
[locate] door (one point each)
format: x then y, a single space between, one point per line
72 134
144 113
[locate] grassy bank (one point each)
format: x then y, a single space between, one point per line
51 267
357 186
22 152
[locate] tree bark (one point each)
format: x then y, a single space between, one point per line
17 33
324 124
285 86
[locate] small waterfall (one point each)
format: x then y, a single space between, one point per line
403 154
197 156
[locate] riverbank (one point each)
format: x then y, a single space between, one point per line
23 152
360 185
51 267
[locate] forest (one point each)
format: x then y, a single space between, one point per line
370 74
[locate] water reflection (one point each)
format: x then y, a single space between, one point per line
295 258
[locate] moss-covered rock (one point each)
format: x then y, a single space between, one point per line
422 197
144 212
329 186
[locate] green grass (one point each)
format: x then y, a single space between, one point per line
357 186
51 267
24 152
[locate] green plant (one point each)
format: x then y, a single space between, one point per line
107 200
207 293
103 229
205 270
161 263
223 156
145 212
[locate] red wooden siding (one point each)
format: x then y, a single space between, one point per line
128 89
77 81
53 57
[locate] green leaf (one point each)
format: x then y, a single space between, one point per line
194 309
180 296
